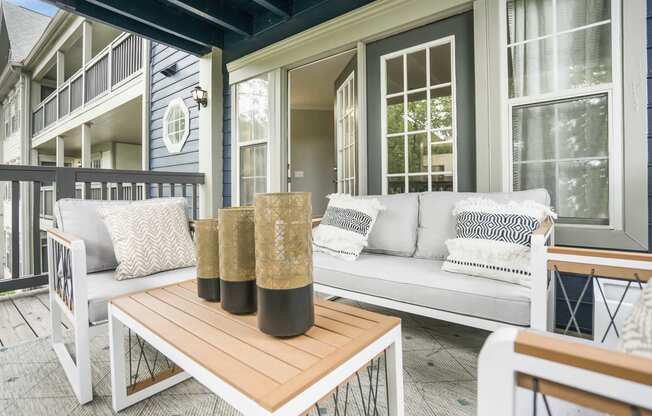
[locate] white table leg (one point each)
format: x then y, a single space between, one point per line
395 376
117 332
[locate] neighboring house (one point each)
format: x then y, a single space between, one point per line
74 94
20 29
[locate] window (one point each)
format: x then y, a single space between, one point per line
345 120
253 133
176 125
418 118
563 104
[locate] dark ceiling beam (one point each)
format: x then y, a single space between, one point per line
214 12
278 7
119 21
152 13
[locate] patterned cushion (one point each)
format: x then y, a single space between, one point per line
149 236
637 329
345 227
493 239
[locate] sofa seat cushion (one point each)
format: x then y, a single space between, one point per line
102 287
422 282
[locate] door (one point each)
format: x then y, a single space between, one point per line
346 136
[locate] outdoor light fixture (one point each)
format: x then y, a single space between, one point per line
200 96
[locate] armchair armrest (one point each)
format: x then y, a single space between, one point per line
316 222
67 273
586 356
545 227
575 371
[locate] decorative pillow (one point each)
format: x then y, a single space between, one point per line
493 239
149 236
637 329
345 227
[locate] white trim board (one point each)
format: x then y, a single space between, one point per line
371 22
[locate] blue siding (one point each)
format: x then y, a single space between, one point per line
649 118
163 90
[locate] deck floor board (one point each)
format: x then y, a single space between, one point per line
14 329
35 314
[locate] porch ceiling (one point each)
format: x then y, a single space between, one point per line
236 26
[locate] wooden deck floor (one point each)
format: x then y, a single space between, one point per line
24 317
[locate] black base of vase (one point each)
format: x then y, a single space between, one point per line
209 289
286 312
238 297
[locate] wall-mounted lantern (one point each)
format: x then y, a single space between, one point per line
200 96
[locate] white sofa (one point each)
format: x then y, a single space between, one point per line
401 267
81 267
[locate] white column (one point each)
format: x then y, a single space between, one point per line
87 41
60 151
61 66
210 133
145 107
85 145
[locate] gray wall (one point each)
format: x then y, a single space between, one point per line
313 147
461 26
163 90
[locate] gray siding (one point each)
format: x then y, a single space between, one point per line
163 90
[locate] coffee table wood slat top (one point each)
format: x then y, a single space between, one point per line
271 371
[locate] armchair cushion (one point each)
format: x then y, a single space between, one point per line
102 287
637 330
79 217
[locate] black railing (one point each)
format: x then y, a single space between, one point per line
101 184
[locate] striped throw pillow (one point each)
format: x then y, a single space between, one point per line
493 239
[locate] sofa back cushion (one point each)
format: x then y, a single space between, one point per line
395 230
437 223
80 218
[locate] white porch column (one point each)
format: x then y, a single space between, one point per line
210 133
60 151
85 145
87 41
61 68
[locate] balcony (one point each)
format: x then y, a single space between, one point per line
117 64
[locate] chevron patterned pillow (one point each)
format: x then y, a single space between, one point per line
637 329
493 239
149 236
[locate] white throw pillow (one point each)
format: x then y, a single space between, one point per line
493 239
637 329
149 236
345 227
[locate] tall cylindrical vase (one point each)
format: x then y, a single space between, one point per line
208 265
284 263
237 260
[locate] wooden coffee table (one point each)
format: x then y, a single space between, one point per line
257 374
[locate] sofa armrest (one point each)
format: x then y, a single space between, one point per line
316 222
545 228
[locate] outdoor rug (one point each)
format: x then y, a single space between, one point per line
439 358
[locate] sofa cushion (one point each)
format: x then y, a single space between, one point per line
80 218
102 287
437 223
395 230
422 282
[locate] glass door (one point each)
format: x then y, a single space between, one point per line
346 141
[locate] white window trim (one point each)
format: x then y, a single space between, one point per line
176 147
343 181
273 79
494 123
614 103
383 110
